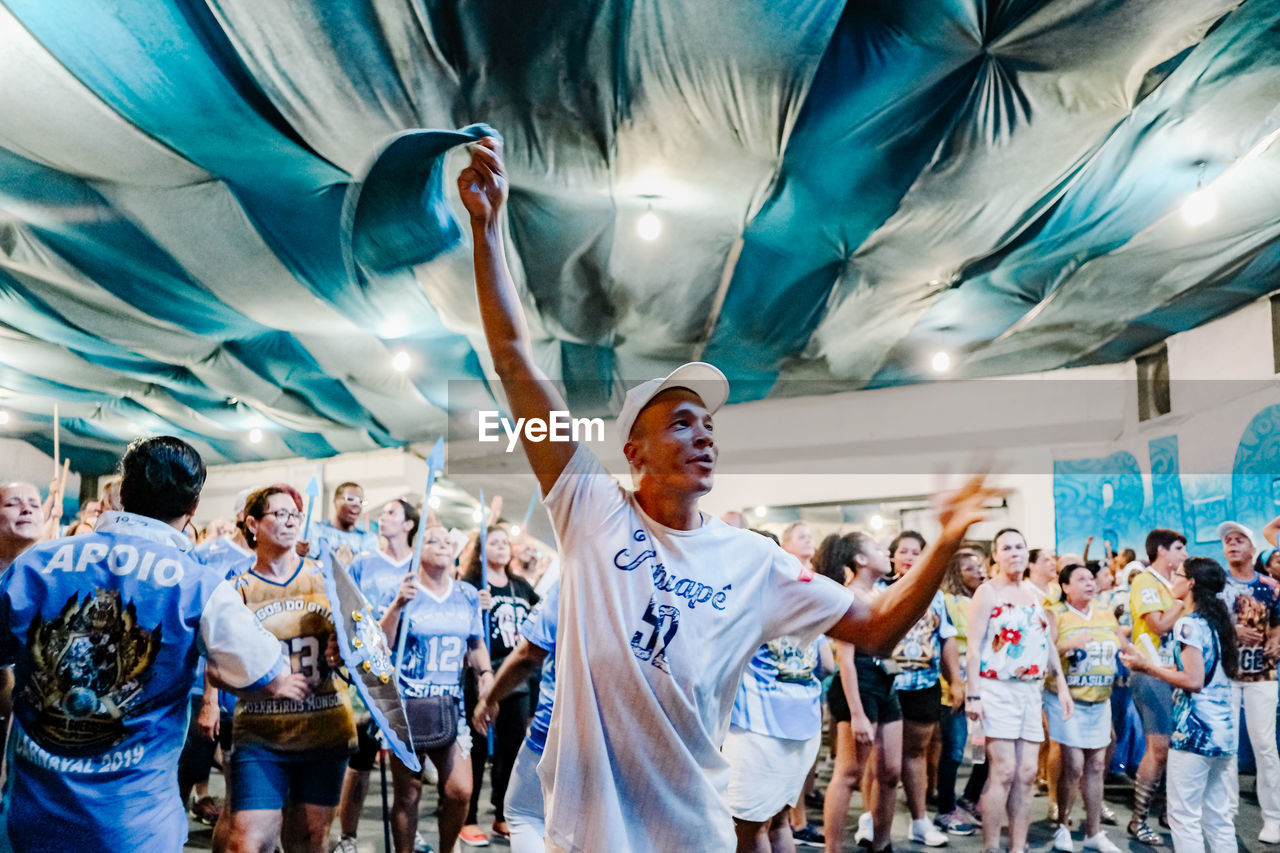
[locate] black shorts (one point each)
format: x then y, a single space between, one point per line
875 691
367 746
922 706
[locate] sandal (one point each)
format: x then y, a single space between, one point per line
1145 834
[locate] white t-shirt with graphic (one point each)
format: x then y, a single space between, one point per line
656 628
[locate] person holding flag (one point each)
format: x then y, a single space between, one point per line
507 600
341 534
434 625
378 575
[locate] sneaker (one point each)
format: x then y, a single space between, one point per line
953 823
1144 833
1270 833
1109 817
473 835
808 834
1062 840
420 844
346 845
972 807
924 832
866 829
1100 843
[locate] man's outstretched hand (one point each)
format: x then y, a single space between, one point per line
483 184
960 509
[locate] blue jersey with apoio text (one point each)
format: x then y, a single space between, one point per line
103 630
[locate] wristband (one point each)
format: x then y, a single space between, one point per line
973 698
486 672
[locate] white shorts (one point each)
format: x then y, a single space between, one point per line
766 774
1011 710
1088 728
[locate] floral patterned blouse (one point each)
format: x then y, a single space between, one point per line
1016 644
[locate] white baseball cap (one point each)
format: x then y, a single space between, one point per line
1228 526
701 378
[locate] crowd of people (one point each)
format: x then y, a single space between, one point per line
666 686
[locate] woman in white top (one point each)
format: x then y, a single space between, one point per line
1009 654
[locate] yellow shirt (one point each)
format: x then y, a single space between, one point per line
1090 670
958 612
1148 593
1050 595
297 613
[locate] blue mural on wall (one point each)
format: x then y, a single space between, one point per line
1107 499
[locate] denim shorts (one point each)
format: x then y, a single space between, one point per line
267 779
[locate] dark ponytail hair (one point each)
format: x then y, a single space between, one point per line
833 555
1208 581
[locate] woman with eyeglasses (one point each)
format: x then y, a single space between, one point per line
1202 797
1009 654
288 758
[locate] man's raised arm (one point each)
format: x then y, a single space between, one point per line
483 187
879 625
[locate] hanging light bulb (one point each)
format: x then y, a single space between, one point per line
255 435
477 515
434 501
941 361
400 361
877 522
650 226
1201 205
761 511
4 416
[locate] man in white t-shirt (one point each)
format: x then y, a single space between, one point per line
661 605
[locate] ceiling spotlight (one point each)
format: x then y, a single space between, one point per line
400 362
761 511
515 530
1200 206
941 361
434 501
877 522
255 435
4 416
650 226
477 515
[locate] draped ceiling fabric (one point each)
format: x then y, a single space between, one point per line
844 187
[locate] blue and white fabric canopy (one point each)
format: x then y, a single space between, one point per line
843 188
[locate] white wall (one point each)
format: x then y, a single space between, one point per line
23 463
888 444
